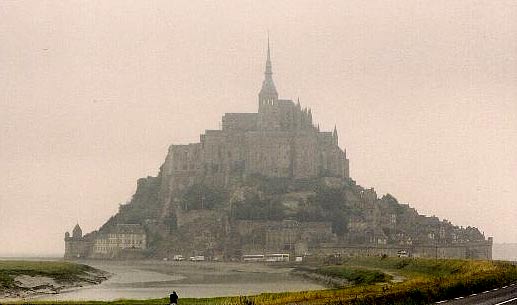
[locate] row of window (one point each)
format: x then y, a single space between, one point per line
118 241
104 249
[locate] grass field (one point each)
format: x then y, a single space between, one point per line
426 281
352 275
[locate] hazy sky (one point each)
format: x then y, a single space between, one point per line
92 93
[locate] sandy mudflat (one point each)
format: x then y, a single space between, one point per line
156 279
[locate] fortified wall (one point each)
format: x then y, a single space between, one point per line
467 250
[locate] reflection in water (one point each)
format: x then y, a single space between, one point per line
147 280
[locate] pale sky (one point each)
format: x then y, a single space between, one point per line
92 93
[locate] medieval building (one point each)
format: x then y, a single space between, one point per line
280 140
122 239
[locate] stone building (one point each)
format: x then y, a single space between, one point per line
287 236
123 236
280 140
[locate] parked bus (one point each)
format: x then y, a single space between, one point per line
197 258
277 257
253 258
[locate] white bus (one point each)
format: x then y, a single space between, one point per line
277 257
253 258
197 258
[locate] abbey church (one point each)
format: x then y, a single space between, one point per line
278 141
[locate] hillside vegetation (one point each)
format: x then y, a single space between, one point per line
339 211
59 271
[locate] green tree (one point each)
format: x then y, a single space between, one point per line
200 196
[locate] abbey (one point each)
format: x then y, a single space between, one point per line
278 141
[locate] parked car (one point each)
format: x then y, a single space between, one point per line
402 253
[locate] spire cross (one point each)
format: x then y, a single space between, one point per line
269 70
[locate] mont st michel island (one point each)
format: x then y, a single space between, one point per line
267 185
258 153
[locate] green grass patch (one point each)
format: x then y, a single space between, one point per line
61 272
358 276
6 281
411 266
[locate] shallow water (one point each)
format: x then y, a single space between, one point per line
149 280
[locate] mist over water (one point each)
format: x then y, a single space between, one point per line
507 252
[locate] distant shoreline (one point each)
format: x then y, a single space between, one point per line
31 258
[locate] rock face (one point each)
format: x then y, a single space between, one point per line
270 182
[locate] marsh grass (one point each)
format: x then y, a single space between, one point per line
61 272
355 275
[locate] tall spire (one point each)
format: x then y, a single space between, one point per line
268 60
268 93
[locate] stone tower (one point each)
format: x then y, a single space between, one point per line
76 246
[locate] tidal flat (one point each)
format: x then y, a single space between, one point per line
157 279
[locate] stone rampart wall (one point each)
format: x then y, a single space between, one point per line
473 250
